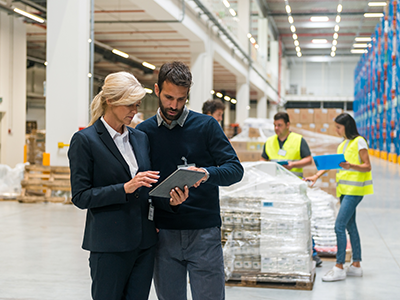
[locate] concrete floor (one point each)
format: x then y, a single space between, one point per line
41 256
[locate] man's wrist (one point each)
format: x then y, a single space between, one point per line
207 174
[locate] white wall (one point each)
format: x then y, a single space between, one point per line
323 78
12 89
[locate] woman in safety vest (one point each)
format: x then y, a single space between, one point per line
353 182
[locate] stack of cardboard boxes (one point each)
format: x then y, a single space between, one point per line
315 120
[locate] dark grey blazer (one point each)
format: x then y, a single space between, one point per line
115 221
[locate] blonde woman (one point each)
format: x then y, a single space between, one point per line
110 178
354 181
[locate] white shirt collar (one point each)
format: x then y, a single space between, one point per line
112 131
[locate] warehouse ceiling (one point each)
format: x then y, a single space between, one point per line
119 24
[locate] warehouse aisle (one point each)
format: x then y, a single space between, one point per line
41 258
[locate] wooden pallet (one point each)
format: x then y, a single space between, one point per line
40 182
274 282
332 257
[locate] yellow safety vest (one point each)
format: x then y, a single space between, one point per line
292 148
350 182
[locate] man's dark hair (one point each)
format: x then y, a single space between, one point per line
175 72
210 106
350 127
282 116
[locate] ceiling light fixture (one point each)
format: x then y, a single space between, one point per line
298 54
298 49
319 41
335 36
212 92
296 43
294 36
28 15
377 3
363 39
360 45
290 19
256 46
333 48
337 28
338 19
148 91
120 53
319 19
148 65
227 98
339 8
334 42
219 95
226 3
249 35
333 53
292 28
233 101
358 51
373 15
288 9
233 12
252 40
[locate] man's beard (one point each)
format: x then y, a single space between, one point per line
165 114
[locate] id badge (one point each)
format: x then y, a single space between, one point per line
151 212
282 152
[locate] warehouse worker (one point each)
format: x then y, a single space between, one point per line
214 108
353 183
287 146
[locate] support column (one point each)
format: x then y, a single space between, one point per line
67 92
12 89
262 107
243 10
243 101
202 72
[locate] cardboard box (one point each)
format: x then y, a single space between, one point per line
245 155
306 116
239 146
294 115
322 128
332 130
254 132
306 126
333 113
255 146
321 116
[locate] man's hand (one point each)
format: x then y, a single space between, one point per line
178 196
202 179
289 166
141 179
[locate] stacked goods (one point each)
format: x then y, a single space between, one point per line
35 142
266 222
376 90
250 142
314 120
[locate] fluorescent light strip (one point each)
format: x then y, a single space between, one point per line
338 19
120 53
28 15
148 65
377 4
319 41
319 19
233 12
288 9
358 51
290 19
226 3
373 15
363 39
360 45
339 8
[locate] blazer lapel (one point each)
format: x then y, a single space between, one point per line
107 140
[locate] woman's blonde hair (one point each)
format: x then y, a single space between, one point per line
120 88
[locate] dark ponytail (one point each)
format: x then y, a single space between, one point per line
350 127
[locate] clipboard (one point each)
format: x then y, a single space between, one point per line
282 162
179 178
329 162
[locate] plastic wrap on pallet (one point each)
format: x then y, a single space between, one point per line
324 211
266 222
10 180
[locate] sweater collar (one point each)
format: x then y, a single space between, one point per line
180 121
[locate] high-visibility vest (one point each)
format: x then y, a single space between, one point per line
351 182
292 148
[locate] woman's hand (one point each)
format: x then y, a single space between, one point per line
178 196
345 165
312 179
141 179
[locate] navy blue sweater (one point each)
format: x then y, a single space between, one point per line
202 141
